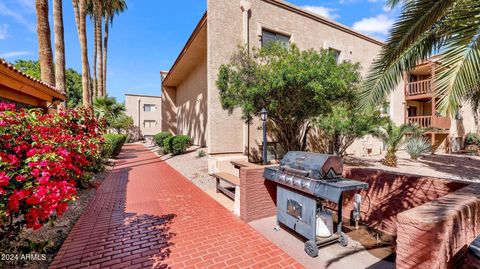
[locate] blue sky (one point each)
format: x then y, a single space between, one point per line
149 35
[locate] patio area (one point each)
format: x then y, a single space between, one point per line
146 214
448 166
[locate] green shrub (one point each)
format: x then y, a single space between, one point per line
176 144
160 137
201 153
417 146
113 145
167 144
472 139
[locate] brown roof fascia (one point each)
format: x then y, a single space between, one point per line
192 37
38 84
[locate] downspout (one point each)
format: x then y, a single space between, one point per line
245 6
138 99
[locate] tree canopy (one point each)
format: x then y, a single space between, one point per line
74 80
347 122
294 86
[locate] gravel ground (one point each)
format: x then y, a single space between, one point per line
189 165
449 166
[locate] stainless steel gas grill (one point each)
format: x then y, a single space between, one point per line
305 183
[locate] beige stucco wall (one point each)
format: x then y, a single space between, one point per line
191 104
134 105
224 35
227 133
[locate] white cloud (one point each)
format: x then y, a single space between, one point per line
5 11
378 25
323 11
3 31
12 54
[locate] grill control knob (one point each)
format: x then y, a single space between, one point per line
306 184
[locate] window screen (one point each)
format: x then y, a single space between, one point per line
149 123
269 37
149 107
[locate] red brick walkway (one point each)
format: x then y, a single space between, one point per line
147 215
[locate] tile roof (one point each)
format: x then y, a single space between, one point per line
11 67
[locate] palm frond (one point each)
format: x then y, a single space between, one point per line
382 79
460 73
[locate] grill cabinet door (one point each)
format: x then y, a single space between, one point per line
296 211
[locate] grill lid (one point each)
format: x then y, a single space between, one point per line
313 165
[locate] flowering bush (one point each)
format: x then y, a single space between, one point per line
44 158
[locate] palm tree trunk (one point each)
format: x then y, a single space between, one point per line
44 43
60 80
80 18
105 47
95 41
99 54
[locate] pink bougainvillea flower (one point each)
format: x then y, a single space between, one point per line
4 179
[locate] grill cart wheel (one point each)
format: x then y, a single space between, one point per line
343 240
311 248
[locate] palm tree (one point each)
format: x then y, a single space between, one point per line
95 10
474 99
44 43
60 78
111 8
107 108
392 136
449 28
79 9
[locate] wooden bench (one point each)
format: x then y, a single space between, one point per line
230 179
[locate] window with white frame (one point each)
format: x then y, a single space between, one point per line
149 107
149 123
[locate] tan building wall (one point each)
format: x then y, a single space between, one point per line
148 121
191 104
190 97
228 133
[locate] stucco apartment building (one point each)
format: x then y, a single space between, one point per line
145 111
190 99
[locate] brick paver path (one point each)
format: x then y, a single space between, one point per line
147 215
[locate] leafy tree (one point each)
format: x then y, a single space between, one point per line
294 86
74 80
29 67
122 123
346 123
424 28
74 88
392 136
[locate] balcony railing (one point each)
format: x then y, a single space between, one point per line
419 87
430 121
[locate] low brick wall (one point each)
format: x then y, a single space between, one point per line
434 219
257 195
391 193
437 234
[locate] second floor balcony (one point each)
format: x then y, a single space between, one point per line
418 89
430 121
